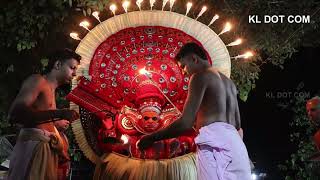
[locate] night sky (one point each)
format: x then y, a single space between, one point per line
265 125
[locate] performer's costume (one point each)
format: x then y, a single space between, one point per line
221 154
316 139
118 104
35 156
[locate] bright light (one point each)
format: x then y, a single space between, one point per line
85 24
171 4
113 8
143 71
75 36
254 176
125 5
227 28
215 17
248 54
204 8
164 2
96 15
124 138
189 5
236 42
138 2
152 3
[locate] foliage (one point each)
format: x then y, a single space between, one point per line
272 43
4 125
74 151
26 23
298 166
88 6
245 75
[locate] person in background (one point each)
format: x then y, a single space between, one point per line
313 111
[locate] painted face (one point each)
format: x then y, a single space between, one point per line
313 110
68 70
150 121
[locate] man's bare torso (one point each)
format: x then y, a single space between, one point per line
219 103
45 100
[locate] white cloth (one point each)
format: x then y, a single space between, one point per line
23 152
221 154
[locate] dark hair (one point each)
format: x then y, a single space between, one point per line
62 56
190 48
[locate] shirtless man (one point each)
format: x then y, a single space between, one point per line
39 146
313 110
212 101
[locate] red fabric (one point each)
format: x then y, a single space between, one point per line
90 102
63 171
114 58
116 82
316 139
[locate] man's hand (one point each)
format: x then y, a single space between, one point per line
62 124
68 114
144 143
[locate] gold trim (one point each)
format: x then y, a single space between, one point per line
116 166
82 141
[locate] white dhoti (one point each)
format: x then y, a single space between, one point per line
34 156
221 154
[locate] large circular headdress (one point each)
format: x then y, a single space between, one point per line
114 51
211 42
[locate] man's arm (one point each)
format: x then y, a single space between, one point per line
22 111
237 112
237 116
196 92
